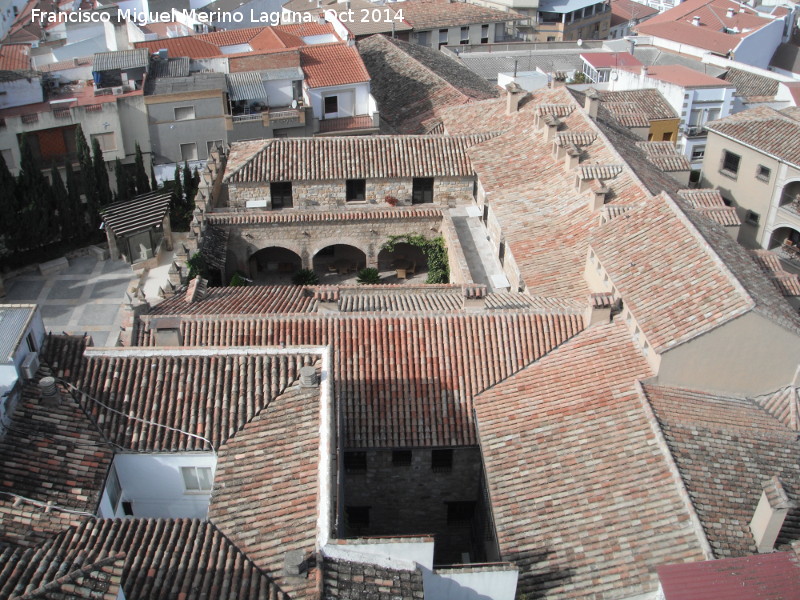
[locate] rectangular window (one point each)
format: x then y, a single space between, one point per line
459 514
441 461
666 136
184 113
730 163
197 479
763 173
2 123
188 152
31 342
355 462
401 458
698 152
443 36
281 194
114 489
356 190
213 145
484 34
422 190
465 35
331 105
107 141
752 218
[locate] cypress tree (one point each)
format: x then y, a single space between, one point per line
140 176
123 183
88 184
8 206
61 204
35 215
153 180
176 203
103 191
78 226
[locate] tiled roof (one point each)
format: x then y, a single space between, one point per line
172 67
66 64
49 454
784 405
750 84
185 391
14 320
14 57
787 283
316 217
626 10
332 64
411 83
545 220
636 108
685 77
266 496
704 293
190 46
709 203
404 380
302 30
665 156
136 214
351 581
583 500
342 124
163 558
765 129
360 26
432 14
100 579
676 24
304 159
725 449
286 299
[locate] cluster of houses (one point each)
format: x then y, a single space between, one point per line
603 400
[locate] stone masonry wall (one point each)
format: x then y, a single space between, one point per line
408 500
306 238
331 194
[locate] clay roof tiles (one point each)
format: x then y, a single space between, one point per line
14 57
570 455
432 14
752 85
725 448
784 405
765 129
304 159
328 65
647 105
787 283
442 360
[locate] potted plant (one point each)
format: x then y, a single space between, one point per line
390 200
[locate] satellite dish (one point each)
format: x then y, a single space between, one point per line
294 103
614 75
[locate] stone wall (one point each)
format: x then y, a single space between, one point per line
305 236
459 269
447 191
410 500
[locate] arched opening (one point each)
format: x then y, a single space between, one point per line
339 263
403 263
785 242
790 196
274 266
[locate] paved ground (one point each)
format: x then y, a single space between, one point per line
84 298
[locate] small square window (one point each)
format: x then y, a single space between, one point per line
698 152
355 462
31 342
752 218
331 105
197 479
465 35
401 458
213 145
443 36
356 190
459 514
763 173
188 152
441 461
184 113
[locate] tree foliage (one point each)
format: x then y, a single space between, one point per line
141 181
435 252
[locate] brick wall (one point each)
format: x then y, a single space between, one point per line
409 500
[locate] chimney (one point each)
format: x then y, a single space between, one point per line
696 20
598 312
572 159
551 126
598 198
308 377
644 70
513 96
592 102
474 296
771 511
730 13
294 563
50 395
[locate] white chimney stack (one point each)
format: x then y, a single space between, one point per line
769 515
696 20
730 13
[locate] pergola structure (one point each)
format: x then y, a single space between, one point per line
136 228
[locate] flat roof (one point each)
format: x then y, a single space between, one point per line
14 319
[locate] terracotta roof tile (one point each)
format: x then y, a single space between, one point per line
190 46
665 156
765 129
685 77
406 380
432 14
570 455
14 57
750 84
625 10
99 579
633 107
784 405
725 448
412 83
349 580
302 159
312 217
332 64
787 283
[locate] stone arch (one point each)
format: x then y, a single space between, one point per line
790 192
779 235
274 264
339 257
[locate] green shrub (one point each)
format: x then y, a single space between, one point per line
305 277
368 277
238 281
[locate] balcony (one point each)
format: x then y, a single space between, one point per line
362 123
